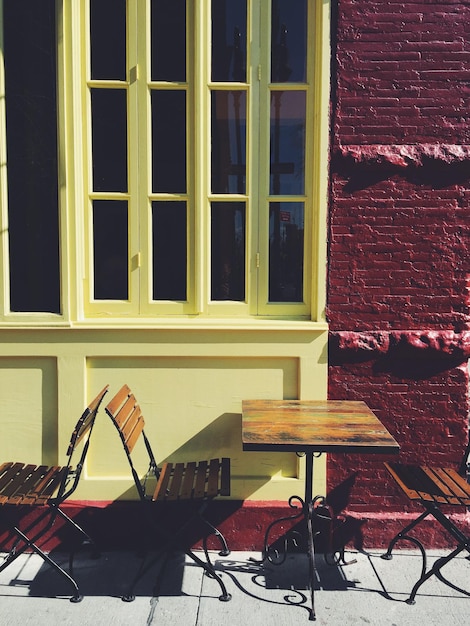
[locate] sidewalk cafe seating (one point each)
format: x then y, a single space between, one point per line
435 488
29 485
176 483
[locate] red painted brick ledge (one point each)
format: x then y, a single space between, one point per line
118 525
443 342
403 155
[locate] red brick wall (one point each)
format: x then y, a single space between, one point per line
399 272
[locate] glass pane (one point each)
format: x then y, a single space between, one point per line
168 141
228 251
229 40
109 137
108 39
168 40
289 41
169 250
228 165
286 251
287 167
110 250
31 140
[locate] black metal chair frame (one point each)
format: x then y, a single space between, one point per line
126 416
432 488
49 487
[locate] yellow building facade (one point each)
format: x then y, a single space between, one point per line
147 291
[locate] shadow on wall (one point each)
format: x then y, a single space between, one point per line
365 166
416 355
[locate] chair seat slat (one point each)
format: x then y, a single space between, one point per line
401 481
162 484
19 474
6 471
188 481
225 477
443 494
175 483
49 489
32 477
457 487
201 477
213 479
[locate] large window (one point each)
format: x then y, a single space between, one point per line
169 165
30 187
200 157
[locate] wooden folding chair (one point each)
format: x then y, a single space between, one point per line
433 488
197 482
23 484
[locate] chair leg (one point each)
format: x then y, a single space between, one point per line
224 549
143 568
146 565
209 568
403 535
22 536
447 524
434 570
28 543
87 540
173 542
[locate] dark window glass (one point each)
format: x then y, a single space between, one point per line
31 140
228 251
228 162
109 136
168 40
229 40
289 41
168 141
108 39
110 250
286 251
169 250
287 167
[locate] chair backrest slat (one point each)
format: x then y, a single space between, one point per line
86 422
133 427
123 414
117 401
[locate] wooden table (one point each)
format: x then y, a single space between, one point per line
312 426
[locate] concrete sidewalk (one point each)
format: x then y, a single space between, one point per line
369 591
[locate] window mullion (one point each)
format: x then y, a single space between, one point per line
201 175
260 115
135 69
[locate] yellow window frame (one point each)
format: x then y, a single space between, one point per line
198 195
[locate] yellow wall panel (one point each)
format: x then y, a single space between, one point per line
28 410
192 408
